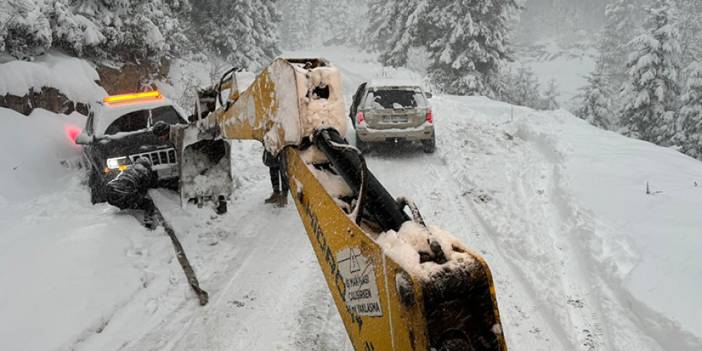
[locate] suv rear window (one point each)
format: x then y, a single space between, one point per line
137 120
394 98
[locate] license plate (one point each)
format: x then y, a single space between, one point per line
395 119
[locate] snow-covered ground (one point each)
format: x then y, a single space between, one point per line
582 257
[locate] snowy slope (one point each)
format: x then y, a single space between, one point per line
66 266
583 258
565 203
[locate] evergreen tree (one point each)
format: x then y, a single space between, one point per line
595 102
690 137
690 27
466 39
619 29
295 27
342 22
381 25
550 96
651 92
468 42
241 31
312 23
523 88
406 29
126 30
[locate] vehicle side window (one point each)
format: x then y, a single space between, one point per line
89 123
130 122
166 114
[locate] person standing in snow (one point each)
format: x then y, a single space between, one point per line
128 189
279 180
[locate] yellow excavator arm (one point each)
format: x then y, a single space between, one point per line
398 283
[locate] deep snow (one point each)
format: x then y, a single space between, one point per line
583 258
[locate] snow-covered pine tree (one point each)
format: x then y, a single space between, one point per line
523 88
382 16
26 30
125 30
466 39
294 24
620 28
650 95
241 31
551 95
595 99
340 22
690 27
690 134
406 32
468 43
313 23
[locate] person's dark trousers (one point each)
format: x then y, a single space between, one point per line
279 179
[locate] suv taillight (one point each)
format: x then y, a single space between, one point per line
359 118
72 133
430 117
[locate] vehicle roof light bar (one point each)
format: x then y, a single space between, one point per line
154 94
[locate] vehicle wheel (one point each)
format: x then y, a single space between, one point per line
97 194
362 145
429 146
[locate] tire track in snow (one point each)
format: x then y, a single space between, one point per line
627 327
430 181
541 232
253 291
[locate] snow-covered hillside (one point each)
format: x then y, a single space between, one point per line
583 257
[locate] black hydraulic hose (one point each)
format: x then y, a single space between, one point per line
221 82
378 204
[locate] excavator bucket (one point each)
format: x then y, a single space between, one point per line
398 283
205 168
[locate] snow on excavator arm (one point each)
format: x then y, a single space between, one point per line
398 284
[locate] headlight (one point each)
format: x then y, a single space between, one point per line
117 163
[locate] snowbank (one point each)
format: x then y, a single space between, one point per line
36 152
67 266
73 77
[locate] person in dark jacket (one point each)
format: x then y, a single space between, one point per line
128 190
279 179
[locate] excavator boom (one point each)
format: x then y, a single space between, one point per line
398 283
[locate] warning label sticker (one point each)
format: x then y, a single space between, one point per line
359 277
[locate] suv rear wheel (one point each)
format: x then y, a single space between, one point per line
429 146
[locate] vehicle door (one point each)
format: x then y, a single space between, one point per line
356 101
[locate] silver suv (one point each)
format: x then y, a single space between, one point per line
394 111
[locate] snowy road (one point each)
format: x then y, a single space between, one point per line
579 253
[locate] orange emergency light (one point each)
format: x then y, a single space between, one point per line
148 95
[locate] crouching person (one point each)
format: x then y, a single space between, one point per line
128 190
